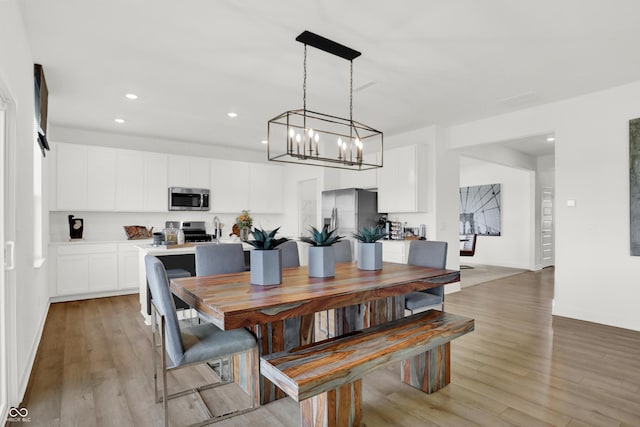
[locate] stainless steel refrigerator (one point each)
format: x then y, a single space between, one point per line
350 209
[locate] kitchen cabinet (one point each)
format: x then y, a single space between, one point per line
86 268
187 171
141 181
395 251
84 178
229 186
266 188
128 277
402 181
240 185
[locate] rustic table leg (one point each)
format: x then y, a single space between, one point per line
340 407
428 371
281 335
361 316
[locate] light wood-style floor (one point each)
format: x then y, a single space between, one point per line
519 367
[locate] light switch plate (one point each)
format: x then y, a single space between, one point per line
571 203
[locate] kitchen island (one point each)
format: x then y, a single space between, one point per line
173 256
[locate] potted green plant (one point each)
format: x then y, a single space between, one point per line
322 262
266 260
369 249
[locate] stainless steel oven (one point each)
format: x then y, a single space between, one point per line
188 199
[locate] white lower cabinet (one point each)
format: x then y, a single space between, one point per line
128 266
85 270
395 251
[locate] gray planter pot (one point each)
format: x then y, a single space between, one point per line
370 256
322 261
266 267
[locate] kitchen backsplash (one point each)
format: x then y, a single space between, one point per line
99 226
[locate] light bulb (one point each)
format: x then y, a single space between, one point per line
310 133
291 132
339 142
298 138
316 137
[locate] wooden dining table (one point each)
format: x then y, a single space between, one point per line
282 316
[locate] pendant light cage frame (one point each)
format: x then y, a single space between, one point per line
311 138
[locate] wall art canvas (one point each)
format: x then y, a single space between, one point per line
634 184
480 210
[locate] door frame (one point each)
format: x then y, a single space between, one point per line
8 338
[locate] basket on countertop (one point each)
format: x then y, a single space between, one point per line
137 232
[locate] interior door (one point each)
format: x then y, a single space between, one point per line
546 229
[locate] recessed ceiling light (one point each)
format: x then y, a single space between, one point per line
119 120
264 141
232 114
551 139
131 96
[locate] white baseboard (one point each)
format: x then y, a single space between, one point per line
24 381
78 297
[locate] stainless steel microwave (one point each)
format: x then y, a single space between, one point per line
188 199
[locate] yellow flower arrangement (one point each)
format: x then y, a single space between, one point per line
244 220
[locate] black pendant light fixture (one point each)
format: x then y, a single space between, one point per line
308 137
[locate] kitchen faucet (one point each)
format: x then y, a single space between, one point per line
216 228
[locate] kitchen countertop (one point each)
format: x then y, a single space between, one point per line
187 248
100 242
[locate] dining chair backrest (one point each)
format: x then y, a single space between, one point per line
429 253
162 299
469 246
290 256
220 258
343 251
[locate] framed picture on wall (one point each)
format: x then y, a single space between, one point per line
480 210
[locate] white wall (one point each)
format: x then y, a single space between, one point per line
596 278
514 247
30 295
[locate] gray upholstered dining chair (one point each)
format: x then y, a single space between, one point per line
426 253
343 251
290 256
220 258
196 344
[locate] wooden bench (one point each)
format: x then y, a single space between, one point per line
326 377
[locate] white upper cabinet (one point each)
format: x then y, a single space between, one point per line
229 186
239 185
141 182
101 179
130 181
190 172
156 187
402 181
71 176
84 178
266 188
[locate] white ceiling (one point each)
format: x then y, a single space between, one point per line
423 62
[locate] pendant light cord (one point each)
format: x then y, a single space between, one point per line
351 94
304 81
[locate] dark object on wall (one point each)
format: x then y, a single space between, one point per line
76 227
480 209
41 106
634 184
